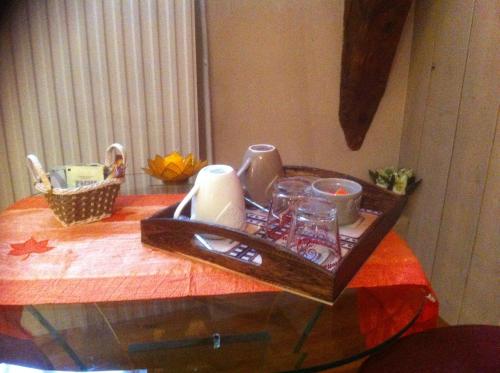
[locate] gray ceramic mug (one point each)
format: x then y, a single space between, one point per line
261 167
348 204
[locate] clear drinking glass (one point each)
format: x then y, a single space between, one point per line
286 192
314 232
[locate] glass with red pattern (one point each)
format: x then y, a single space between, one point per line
286 192
314 232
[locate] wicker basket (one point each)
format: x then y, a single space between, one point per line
83 204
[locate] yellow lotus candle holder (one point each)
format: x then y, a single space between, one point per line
174 167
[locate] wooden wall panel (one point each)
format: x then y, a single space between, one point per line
451 23
422 54
482 291
470 158
450 123
79 75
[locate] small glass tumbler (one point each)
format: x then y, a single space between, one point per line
314 232
286 192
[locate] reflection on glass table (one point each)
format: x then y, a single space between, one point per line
141 183
251 332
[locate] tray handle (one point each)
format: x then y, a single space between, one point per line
279 267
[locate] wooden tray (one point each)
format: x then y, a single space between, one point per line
280 267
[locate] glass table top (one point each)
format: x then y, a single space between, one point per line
266 332
240 332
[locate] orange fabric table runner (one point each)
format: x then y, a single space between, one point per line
42 262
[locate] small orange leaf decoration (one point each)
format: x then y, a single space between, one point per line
29 247
174 167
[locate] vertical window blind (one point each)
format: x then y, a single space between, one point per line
76 76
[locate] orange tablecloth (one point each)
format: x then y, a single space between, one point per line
42 262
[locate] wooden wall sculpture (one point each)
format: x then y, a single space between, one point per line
372 29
